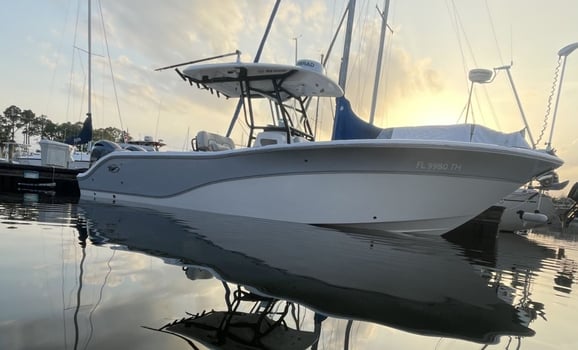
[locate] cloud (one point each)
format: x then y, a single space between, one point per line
177 30
403 78
49 61
143 36
188 30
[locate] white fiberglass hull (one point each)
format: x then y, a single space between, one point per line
81 161
397 186
331 199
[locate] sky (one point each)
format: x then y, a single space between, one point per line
429 49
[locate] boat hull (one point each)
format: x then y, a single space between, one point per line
392 185
527 201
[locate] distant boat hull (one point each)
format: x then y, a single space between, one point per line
56 154
528 201
81 161
406 186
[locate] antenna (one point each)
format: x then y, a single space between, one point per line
564 52
237 52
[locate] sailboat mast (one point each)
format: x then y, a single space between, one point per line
89 113
347 45
379 59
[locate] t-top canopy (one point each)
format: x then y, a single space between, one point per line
262 80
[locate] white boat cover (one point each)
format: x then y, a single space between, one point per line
459 132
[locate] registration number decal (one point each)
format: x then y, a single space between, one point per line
438 166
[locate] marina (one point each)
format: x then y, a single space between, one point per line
381 170
318 219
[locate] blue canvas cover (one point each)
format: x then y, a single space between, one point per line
348 125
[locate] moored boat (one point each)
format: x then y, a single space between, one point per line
525 209
394 184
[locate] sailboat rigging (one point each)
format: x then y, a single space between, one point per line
383 15
85 135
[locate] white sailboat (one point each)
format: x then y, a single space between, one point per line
64 154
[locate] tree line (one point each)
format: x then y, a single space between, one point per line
15 120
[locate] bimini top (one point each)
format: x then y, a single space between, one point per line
274 81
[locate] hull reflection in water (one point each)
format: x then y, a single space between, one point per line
421 285
264 327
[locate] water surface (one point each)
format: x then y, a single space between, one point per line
89 276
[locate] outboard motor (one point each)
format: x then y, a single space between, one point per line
134 148
102 148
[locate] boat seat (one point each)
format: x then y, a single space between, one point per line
207 141
279 137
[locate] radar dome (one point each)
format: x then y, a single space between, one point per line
311 65
480 75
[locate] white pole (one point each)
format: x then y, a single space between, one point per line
347 45
564 52
89 113
518 102
520 107
379 59
549 144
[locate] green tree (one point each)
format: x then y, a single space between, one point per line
12 121
4 129
66 130
110 133
49 130
39 124
27 118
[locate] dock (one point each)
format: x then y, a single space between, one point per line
33 178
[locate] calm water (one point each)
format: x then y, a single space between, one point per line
88 276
